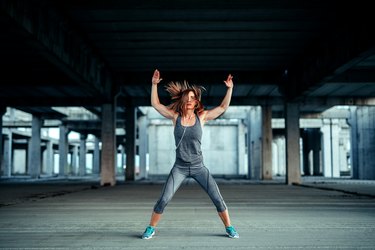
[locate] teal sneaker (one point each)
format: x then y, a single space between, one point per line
232 233
149 232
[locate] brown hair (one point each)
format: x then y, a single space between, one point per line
179 94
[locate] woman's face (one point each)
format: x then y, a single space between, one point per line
191 101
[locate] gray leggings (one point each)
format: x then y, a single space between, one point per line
199 173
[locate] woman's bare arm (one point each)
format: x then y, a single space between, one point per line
155 102
217 111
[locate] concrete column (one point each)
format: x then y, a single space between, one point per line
142 126
35 153
248 143
49 158
2 112
293 170
241 149
316 147
354 142
75 160
267 143
330 130
28 157
305 153
275 157
96 157
130 143
254 132
63 150
8 152
82 155
108 161
122 160
281 155
336 147
363 145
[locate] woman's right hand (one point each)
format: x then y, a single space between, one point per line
156 77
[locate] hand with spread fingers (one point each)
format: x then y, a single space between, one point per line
229 82
156 77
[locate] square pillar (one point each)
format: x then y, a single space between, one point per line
108 161
281 166
63 150
267 143
254 134
330 130
49 158
122 160
35 148
75 160
7 155
82 155
96 157
142 145
130 143
293 171
2 112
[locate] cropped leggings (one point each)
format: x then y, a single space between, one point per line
199 173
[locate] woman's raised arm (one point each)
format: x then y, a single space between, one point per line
217 111
155 102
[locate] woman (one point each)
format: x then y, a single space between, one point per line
188 118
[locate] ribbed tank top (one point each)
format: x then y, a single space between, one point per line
189 151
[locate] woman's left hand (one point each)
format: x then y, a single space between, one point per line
229 82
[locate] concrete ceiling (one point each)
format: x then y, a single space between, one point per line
83 53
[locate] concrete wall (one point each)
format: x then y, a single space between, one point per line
161 148
220 147
362 123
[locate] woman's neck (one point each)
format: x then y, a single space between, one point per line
188 115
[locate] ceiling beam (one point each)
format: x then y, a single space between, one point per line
350 41
57 39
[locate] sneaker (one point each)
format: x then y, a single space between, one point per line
232 233
149 232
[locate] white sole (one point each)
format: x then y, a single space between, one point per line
233 237
149 237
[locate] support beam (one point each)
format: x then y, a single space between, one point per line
2 112
254 134
316 147
75 160
96 157
35 155
349 42
108 160
293 170
57 39
142 145
63 151
330 151
281 166
82 155
130 143
8 155
49 158
267 143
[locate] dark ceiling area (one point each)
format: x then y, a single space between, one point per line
84 53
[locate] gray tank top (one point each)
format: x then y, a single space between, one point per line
189 151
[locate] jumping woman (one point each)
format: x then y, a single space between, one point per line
189 117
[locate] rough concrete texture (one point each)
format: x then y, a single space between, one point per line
267 216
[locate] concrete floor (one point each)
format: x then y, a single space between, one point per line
74 215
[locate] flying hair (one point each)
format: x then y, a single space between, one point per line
179 92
